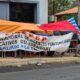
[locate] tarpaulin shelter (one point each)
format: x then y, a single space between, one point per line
10 26
69 11
59 26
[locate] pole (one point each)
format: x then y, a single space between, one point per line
2 54
78 12
15 54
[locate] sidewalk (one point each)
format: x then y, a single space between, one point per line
26 61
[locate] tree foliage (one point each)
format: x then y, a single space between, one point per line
60 5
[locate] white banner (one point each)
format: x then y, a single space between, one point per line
35 43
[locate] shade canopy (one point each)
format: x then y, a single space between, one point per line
69 11
59 26
10 26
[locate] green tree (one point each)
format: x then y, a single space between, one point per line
60 5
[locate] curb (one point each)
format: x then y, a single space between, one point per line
35 61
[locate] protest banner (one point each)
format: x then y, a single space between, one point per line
35 43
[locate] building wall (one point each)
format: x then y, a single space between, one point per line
42 10
4 11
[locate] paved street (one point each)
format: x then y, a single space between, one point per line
51 72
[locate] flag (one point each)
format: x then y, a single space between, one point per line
73 22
